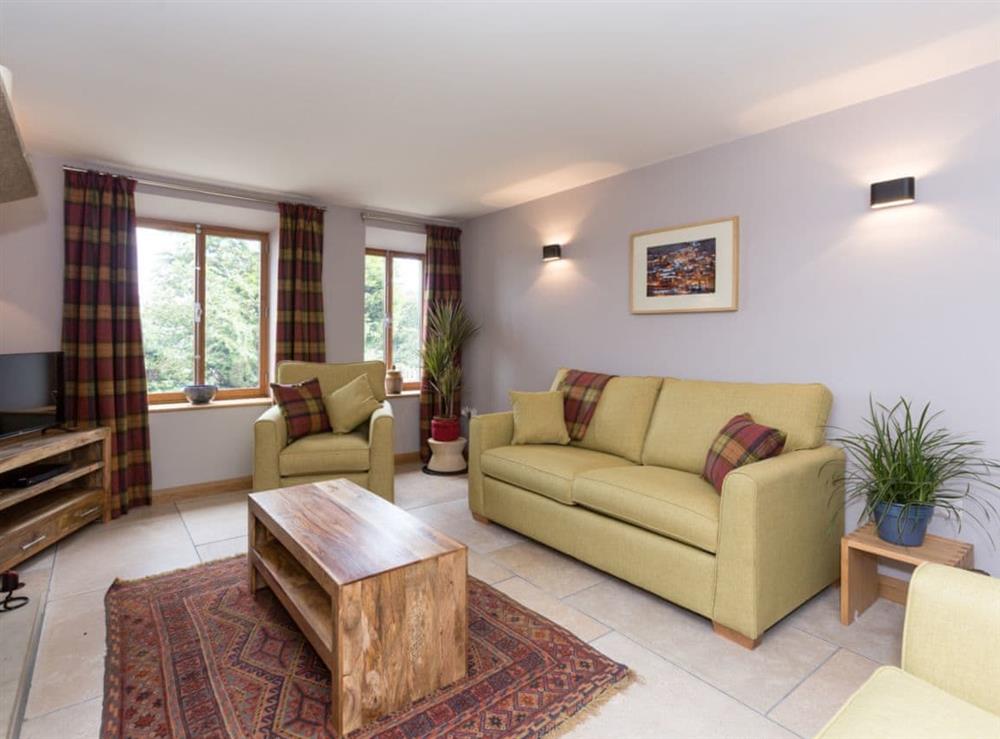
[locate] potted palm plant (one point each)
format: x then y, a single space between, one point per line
904 466
448 328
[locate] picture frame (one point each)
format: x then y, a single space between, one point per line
692 268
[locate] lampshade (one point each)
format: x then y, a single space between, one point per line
893 192
551 252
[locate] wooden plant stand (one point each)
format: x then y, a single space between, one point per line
860 583
35 517
380 595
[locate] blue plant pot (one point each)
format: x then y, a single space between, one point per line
908 531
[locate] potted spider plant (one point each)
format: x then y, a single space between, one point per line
448 328
904 467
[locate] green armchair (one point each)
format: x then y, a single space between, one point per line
364 456
949 684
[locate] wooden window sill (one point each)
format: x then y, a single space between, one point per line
229 403
404 394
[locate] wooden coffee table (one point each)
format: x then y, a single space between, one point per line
380 595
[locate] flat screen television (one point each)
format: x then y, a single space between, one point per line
31 392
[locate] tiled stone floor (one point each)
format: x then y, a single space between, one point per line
691 682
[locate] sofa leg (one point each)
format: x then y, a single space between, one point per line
480 519
734 636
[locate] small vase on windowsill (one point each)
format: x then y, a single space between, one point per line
393 381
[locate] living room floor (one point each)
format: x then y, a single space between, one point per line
691 682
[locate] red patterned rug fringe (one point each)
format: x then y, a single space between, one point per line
192 654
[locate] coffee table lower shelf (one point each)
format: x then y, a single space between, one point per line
303 598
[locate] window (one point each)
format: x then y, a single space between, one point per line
394 307
202 297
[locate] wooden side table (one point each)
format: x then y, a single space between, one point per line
860 583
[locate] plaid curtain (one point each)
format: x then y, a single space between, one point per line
300 332
102 334
442 282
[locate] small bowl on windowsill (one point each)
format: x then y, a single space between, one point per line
200 394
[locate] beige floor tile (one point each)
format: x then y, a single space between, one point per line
222 549
667 702
415 489
552 608
550 570
483 568
877 633
760 677
18 634
148 540
215 517
81 721
69 668
807 709
40 562
454 519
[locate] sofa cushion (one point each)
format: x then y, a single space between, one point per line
321 453
740 442
621 419
302 406
544 469
675 504
689 414
894 704
538 418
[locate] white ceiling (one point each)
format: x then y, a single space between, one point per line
452 109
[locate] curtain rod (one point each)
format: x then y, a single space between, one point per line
367 215
186 188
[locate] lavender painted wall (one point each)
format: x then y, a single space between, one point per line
897 301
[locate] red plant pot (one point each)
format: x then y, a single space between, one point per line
444 429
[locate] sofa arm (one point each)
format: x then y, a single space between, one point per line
951 637
382 453
486 432
270 436
780 523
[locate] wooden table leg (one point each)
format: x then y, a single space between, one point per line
254 531
858 581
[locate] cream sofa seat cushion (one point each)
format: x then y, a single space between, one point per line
544 468
675 504
689 414
893 704
621 418
329 452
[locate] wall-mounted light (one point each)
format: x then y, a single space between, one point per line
893 192
551 252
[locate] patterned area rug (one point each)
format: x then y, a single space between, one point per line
192 654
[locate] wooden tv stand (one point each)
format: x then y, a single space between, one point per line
35 517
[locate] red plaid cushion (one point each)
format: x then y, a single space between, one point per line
303 407
740 442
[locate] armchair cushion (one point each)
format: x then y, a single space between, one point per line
318 454
302 406
675 504
545 469
351 405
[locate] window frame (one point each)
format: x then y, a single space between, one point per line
389 255
201 231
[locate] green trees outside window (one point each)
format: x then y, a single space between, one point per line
202 293
394 311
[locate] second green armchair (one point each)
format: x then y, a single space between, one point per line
365 456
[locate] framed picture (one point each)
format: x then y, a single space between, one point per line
686 269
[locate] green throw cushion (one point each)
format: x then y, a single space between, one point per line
351 405
539 418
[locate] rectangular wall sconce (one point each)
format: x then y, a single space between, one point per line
893 192
551 252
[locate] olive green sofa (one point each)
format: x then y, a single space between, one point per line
629 498
949 684
364 456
